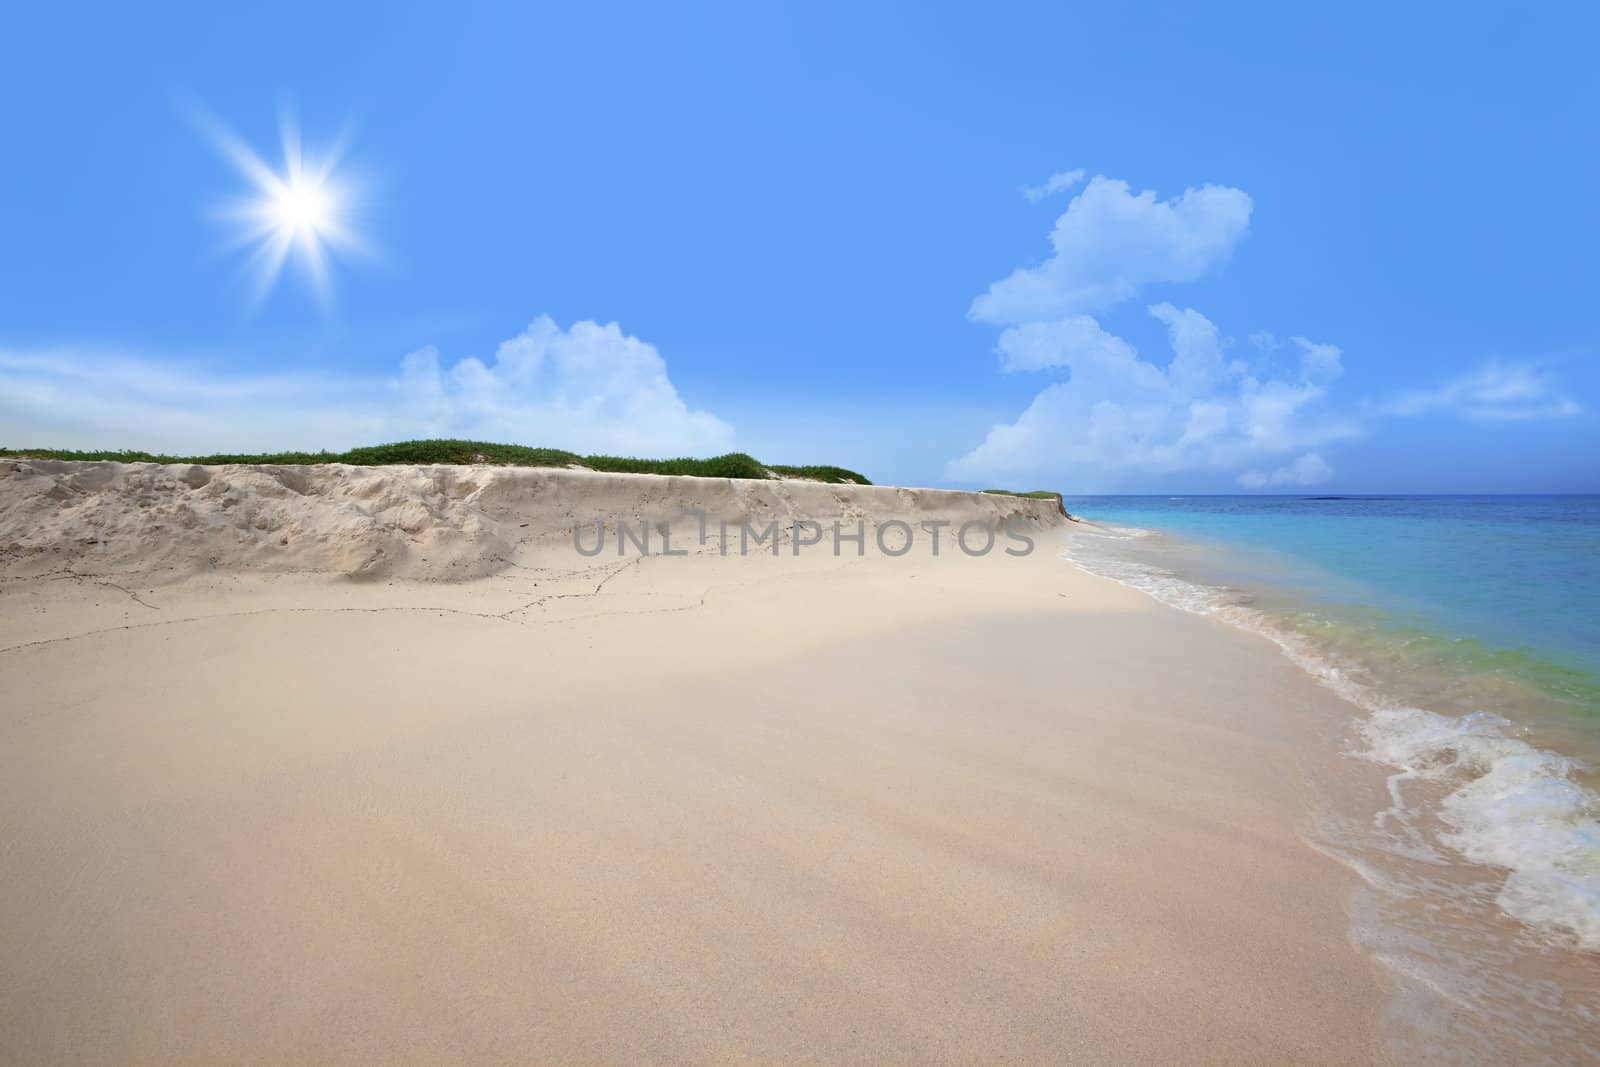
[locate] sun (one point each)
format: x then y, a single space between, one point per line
303 211
304 207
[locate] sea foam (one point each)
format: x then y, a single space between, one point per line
1513 806
1505 803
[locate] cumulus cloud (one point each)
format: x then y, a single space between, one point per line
1495 392
592 386
1309 469
1110 242
1197 360
1056 183
1077 339
589 389
1119 417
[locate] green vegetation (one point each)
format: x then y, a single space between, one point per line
824 473
732 465
1037 494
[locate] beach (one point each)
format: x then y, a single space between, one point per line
490 800
891 535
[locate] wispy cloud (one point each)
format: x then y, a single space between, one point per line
1056 183
1263 341
1309 469
591 388
1498 391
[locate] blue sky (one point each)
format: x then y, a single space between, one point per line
824 234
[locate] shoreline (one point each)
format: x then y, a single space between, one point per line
1474 891
685 809
888 836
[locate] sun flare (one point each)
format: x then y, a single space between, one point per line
302 211
303 207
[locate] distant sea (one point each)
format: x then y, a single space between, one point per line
1465 630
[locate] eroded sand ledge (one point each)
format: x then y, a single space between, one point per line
410 522
618 810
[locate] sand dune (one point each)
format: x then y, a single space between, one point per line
419 522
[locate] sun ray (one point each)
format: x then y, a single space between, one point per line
302 213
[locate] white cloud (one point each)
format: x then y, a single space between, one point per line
1264 341
1309 469
1110 242
592 389
1319 363
1496 392
1078 339
1120 418
1056 183
1197 361
589 389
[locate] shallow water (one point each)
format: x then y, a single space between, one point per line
1466 633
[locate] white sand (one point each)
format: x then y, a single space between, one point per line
681 810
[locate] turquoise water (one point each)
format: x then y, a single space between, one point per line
1517 576
1465 631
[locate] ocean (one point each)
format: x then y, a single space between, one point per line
1465 632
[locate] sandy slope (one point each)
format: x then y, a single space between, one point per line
416 522
674 810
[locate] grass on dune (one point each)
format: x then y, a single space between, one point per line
1036 494
732 465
